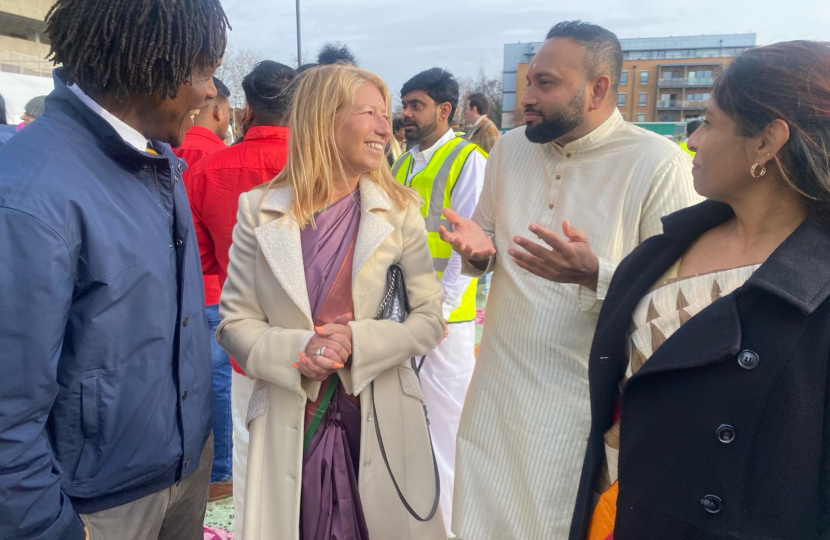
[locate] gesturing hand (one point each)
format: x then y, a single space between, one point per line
467 238
336 337
566 262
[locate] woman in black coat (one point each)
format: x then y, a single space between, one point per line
710 387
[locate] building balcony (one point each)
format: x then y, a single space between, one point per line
696 104
684 83
670 104
25 64
680 104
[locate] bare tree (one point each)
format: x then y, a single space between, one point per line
235 65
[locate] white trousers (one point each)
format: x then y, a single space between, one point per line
241 389
445 376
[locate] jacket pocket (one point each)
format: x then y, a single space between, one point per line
89 407
257 405
410 384
89 422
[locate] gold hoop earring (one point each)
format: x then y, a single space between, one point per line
761 173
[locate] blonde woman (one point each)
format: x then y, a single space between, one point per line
307 273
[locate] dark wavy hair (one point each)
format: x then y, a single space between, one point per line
787 81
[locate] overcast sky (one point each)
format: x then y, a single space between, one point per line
398 39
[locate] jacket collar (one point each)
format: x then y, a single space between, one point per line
280 242
372 197
279 133
797 271
204 133
64 103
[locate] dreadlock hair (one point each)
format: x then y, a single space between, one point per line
135 47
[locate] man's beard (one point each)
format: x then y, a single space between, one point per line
559 123
420 132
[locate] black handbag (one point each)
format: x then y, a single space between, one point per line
395 307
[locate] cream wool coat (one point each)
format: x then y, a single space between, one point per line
266 321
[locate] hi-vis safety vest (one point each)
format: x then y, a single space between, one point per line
435 183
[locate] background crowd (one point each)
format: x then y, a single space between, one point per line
288 318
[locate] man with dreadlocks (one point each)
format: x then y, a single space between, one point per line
106 397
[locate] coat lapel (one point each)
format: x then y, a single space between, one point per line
684 349
279 241
373 229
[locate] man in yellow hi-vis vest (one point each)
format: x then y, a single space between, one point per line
448 171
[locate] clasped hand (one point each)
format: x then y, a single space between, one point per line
336 337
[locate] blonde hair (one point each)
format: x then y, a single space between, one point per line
319 94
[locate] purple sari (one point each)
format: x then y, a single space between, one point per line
330 506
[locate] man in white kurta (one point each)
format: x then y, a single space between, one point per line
522 436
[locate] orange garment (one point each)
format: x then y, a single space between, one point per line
604 516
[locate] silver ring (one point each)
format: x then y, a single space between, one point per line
320 351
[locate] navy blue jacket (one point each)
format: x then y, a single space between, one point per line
105 388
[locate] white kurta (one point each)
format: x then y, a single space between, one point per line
522 436
447 370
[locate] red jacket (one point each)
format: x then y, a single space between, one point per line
198 143
217 181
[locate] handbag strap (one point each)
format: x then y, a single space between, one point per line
334 380
392 476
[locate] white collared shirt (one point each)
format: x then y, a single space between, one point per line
464 199
130 135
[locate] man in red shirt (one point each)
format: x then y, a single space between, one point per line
210 126
215 184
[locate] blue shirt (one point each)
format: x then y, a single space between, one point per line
105 394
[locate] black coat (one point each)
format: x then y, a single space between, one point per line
725 431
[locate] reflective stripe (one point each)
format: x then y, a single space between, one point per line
396 167
439 186
440 265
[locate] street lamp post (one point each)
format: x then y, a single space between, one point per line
299 40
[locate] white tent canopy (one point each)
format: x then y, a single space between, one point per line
18 89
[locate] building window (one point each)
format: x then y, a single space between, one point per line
623 78
643 99
623 115
621 100
643 78
668 118
641 118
